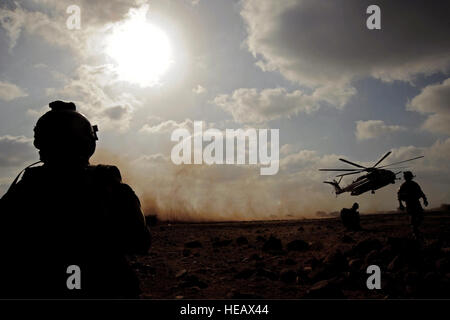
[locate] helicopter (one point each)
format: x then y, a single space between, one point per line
375 178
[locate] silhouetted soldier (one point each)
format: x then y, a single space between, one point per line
350 217
67 212
410 192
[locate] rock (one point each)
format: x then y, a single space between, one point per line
355 264
245 274
307 269
312 262
386 253
190 281
430 285
255 256
289 262
193 244
336 260
365 246
181 273
394 264
297 245
315 246
288 276
267 274
432 248
372 258
241 241
347 239
411 278
261 239
202 285
404 246
273 244
230 270
217 243
443 265
240 295
333 256
324 290
323 272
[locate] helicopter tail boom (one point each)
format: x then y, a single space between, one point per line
336 186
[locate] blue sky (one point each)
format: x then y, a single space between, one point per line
308 68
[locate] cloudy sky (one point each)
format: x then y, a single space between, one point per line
140 69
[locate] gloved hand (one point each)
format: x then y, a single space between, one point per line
425 202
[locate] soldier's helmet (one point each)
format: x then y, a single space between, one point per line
407 175
63 132
355 206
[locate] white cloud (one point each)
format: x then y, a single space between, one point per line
319 44
167 126
15 150
199 90
255 106
50 24
10 91
435 101
371 129
97 93
194 2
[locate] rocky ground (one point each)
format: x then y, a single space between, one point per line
297 259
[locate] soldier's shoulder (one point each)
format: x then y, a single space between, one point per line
110 175
106 173
34 173
414 184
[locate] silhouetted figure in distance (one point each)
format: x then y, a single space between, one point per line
350 217
410 193
67 212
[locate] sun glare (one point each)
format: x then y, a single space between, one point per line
141 51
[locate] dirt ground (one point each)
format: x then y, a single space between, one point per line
297 259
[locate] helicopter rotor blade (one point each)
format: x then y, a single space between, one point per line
384 157
400 162
352 163
338 169
347 174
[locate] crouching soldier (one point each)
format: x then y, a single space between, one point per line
350 217
68 216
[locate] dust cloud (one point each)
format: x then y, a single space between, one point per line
204 193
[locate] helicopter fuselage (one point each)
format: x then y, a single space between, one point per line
371 181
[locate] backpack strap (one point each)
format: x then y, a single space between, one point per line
14 183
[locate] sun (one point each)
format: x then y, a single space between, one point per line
141 51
